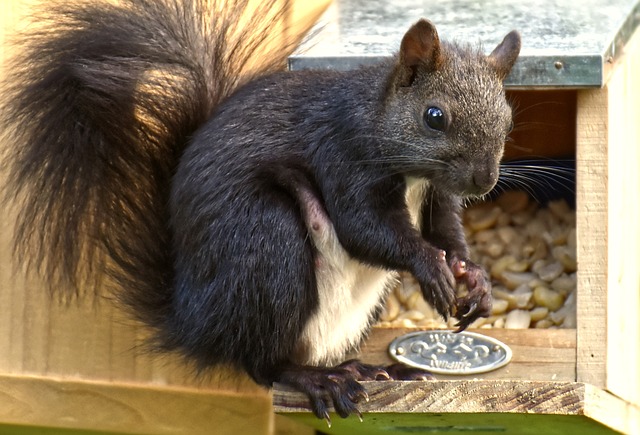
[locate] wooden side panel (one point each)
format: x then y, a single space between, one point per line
592 231
608 157
623 280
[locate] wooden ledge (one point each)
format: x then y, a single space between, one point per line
460 407
54 406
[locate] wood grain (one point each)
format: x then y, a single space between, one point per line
623 243
128 408
483 400
457 397
608 162
592 233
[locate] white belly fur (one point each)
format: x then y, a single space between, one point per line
349 293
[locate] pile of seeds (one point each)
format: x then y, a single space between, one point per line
530 253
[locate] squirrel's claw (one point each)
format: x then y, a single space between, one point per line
477 303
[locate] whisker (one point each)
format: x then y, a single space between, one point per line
532 182
540 161
534 125
519 185
410 145
541 185
537 165
518 110
550 173
512 145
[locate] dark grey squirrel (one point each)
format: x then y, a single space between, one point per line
250 216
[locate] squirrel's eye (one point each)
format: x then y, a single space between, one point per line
434 118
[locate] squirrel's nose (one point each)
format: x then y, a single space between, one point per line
484 180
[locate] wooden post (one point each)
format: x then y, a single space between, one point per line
608 178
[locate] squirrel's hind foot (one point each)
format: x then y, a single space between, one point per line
340 385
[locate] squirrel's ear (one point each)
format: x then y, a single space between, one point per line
420 47
505 54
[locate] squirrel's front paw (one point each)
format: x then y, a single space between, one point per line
477 303
437 282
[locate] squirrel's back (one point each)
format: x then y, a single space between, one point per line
97 108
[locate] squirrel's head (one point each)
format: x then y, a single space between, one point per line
445 113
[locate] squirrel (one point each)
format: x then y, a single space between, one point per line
248 215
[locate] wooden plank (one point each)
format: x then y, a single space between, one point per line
562 398
608 143
591 235
511 407
607 408
129 408
623 280
538 355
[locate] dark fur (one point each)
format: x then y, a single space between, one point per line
139 153
103 100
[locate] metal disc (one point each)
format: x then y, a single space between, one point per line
446 352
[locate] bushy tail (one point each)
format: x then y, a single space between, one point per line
97 108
